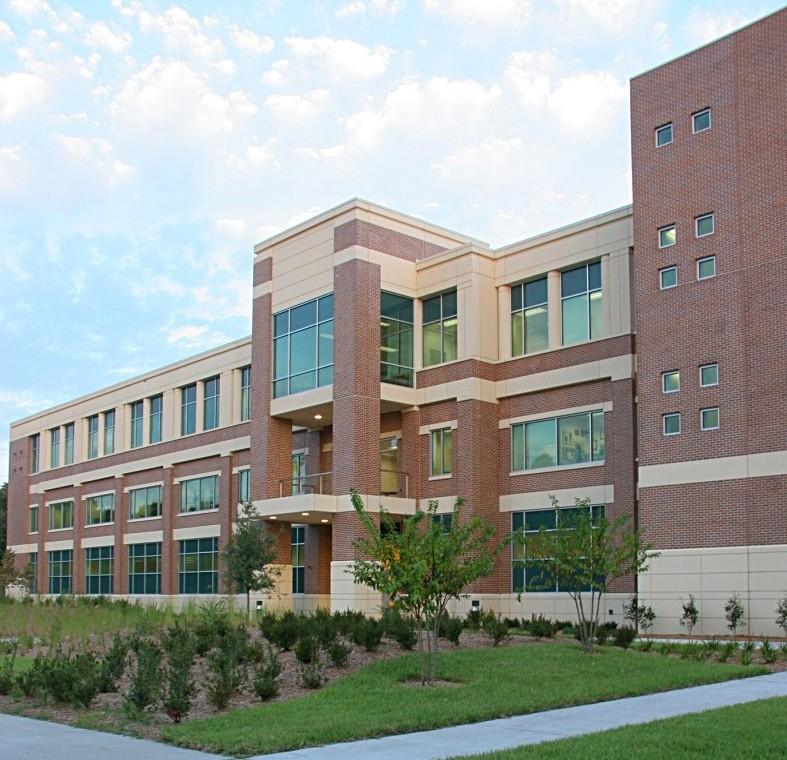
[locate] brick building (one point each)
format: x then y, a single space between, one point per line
633 359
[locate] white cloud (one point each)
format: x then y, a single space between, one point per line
704 25
529 75
30 8
490 160
20 92
100 35
171 98
242 103
500 14
616 16
250 42
180 31
277 74
6 33
344 59
161 284
351 9
584 103
12 167
231 228
297 108
255 156
98 154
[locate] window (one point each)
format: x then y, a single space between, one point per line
35 453
389 466
244 492
303 347
704 225
668 277
199 494
188 409
60 571
530 575
580 291
100 510
69 436
709 375
92 436
156 418
558 441
144 502
34 519
709 418
299 483
529 317
198 566
32 560
671 424
61 515
667 236
98 569
144 568
210 404
440 328
706 268
670 381
396 339
663 135
109 432
54 447
445 521
700 121
245 394
298 540
442 452
137 423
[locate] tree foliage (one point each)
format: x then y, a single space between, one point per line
420 567
585 554
248 556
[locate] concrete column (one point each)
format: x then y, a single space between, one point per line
168 415
80 443
227 399
145 421
504 322
124 444
608 294
200 406
554 310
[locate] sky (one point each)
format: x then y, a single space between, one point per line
146 146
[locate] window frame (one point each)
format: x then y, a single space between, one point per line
133 552
664 418
587 294
441 432
68 441
665 228
54 448
694 116
442 320
403 375
201 479
92 436
103 580
662 271
708 366
245 393
63 581
701 261
34 509
97 501
184 575
697 219
298 551
211 404
136 424
244 484
657 130
35 453
703 427
524 310
109 441
188 410
51 514
133 497
156 418
664 376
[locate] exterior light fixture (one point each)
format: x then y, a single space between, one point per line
317 416
324 520
305 514
273 517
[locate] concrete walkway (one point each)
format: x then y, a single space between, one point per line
507 733
27 739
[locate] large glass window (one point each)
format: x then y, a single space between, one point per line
558 441
60 571
188 409
245 394
137 423
529 317
54 447
244 491
583 317
440 328
98 569
530 575
100 509
199 494
35 453
61 515
109 432
92 436
210 404
144 568
441 452
396 339
156 417
144 502
298 559
303 347
299 482
389 466
198 566
34 519
32 560
68 431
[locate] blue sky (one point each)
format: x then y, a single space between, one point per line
146 146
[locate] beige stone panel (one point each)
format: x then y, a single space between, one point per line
288 404
768 559
554 311
23 548
147 537
726 560
197 531
769 582
606 406
565 496
346 595
411 226
675 583
445 504
504 348
95 541
681 561
398 394
617 292
724 583
308 244
302 289
54 546
310 603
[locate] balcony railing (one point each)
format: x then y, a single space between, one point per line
322 482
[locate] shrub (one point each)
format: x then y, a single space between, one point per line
734 612
451 628
312 673
324 627
624 636
146 677
642 616
33 680
494 627
781 614
266 673
338 653
473 621
180 646
541 627
306 649
112 665
7 672
746 657
646 646
368 633
285 631
211 626
727 650
512 622
768 651
604 631
225 676
666 648
402 630
347 621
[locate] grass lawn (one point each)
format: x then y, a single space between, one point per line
493 683
755 730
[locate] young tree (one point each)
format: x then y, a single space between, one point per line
641 615
248 555
584 554
690 614
781 614
9 575
422 566
734 612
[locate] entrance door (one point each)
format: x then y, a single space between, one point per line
299 474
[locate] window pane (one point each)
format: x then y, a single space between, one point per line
324 376
449 340
598 451
670 382
669 277
573 281
517 448
432 344
325 348
516 297
710 419
449 304
303 315
537 326
667 236
517 333
437 451
281 323
706 268
281 353
536 292
540 518
671 424
448 452
574 439
325 307
303 346
664 135
705 225
540 444
396 307
701 120
575 320
304 382
431 309
709 374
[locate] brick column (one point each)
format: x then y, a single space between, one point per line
271 437
169 549
410 452
227 510
78 553
120 555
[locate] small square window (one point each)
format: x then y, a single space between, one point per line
704 225
700 121
668 278
706 268
663 135
671 424
709 418
709 375
670 381
667 236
